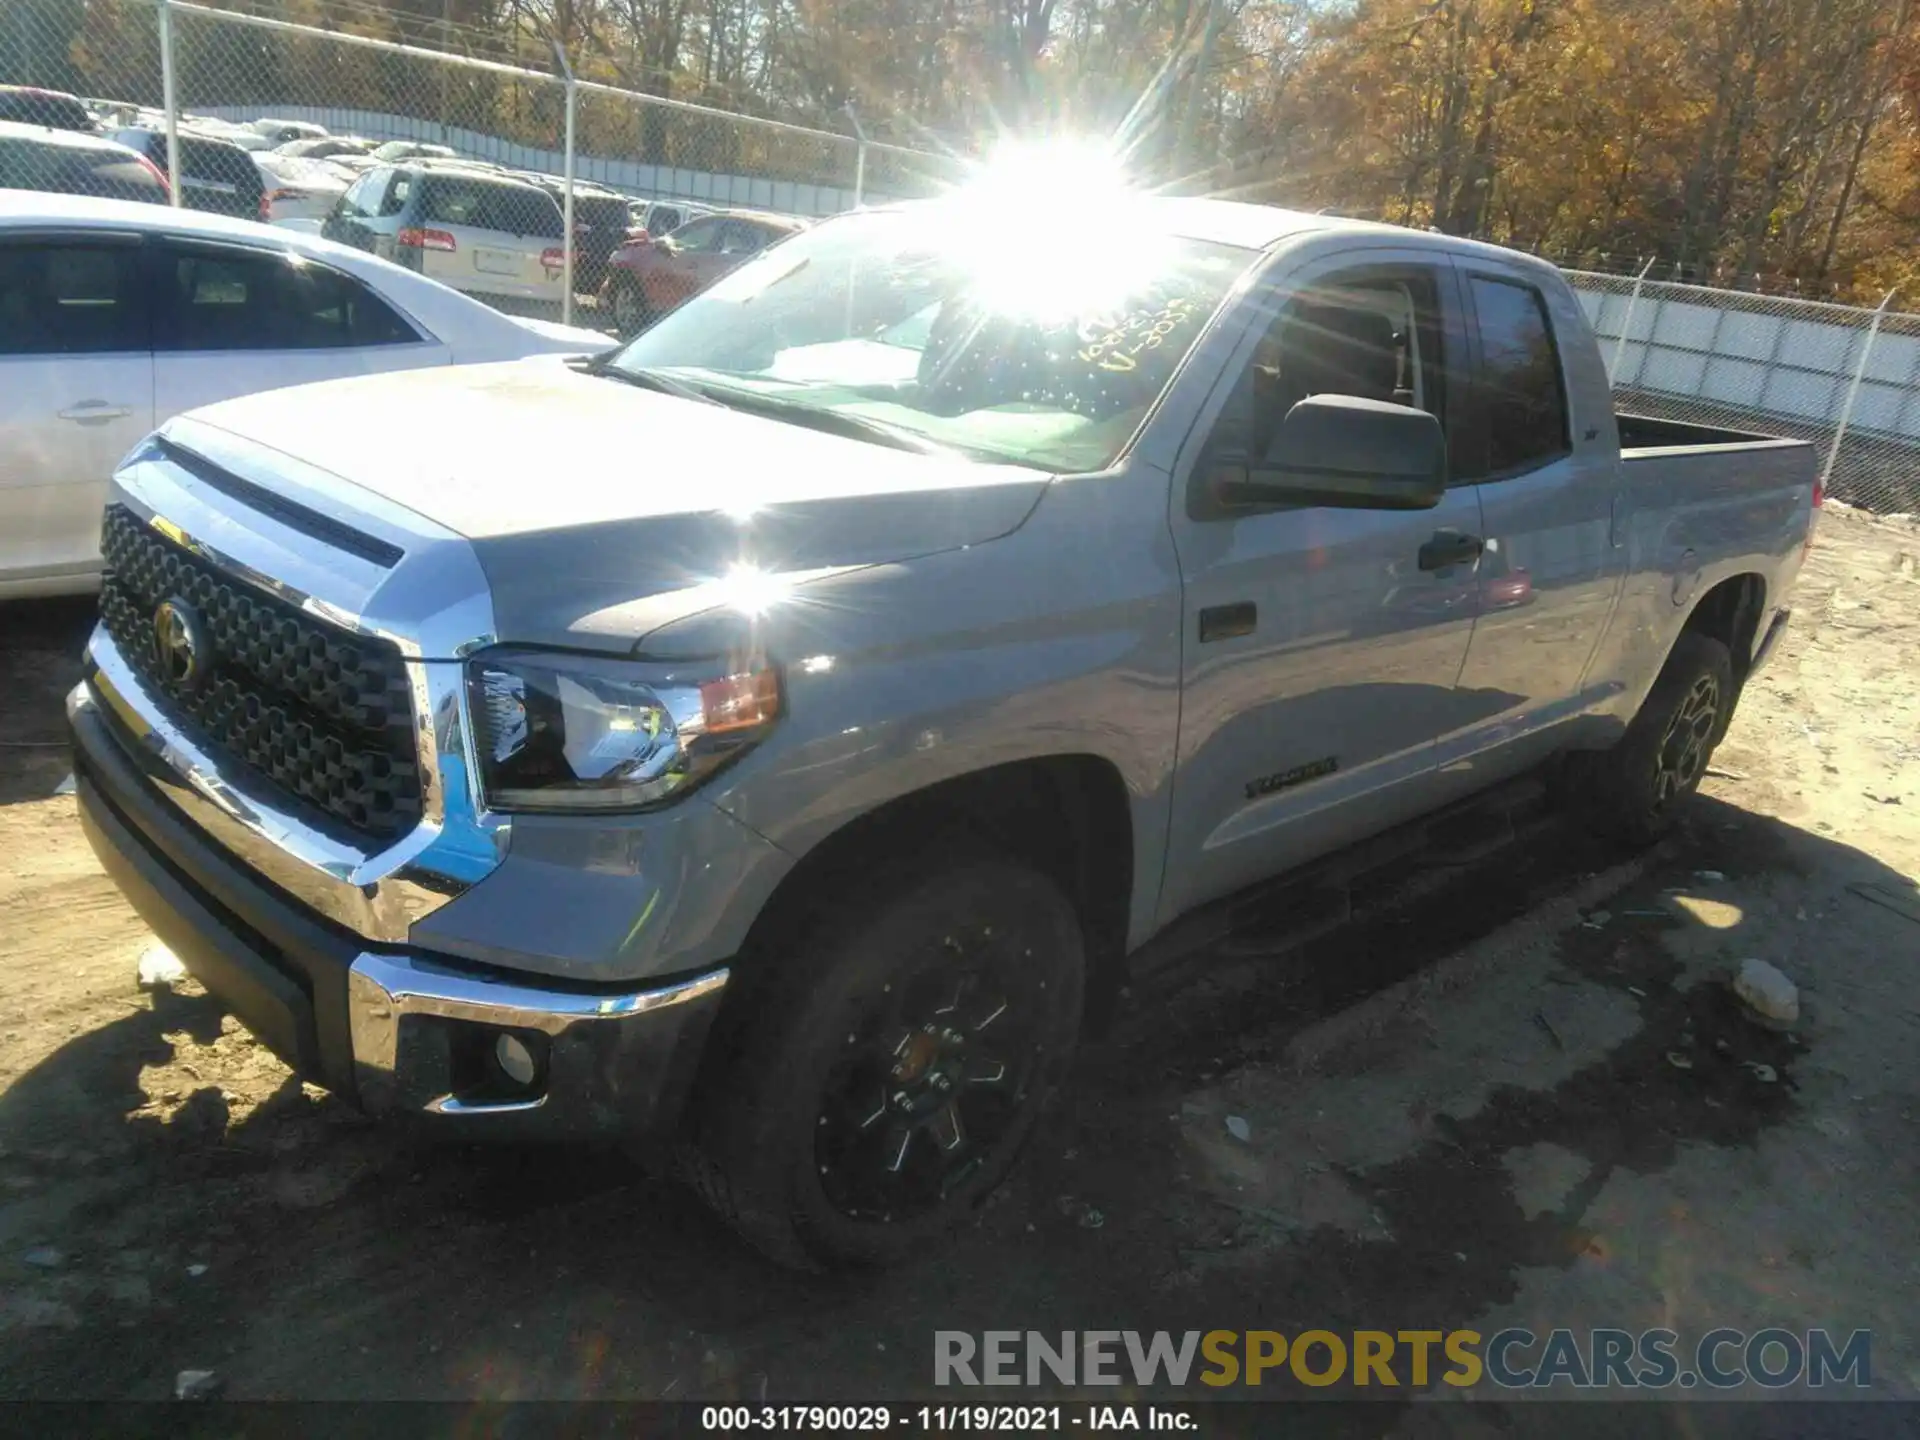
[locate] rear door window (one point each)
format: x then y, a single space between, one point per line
452 200
335 309
483 205
514 210
45 107
215 298
226 165
70 297
601 214
740 237
111 174
1523 394
209 169
699 236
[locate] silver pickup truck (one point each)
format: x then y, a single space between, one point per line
771 742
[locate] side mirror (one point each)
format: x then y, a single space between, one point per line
1345 452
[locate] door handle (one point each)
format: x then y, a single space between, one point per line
1228 622
95 412
1450 547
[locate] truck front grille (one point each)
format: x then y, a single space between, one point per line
323 714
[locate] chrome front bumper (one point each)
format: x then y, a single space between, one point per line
593 1042
394 1030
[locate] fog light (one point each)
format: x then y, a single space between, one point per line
515 1060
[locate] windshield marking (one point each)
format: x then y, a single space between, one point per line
884 325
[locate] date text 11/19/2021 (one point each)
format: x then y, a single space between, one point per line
945 1419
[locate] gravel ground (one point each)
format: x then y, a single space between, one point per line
1519 1098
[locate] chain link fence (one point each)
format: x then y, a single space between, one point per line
277 120
562 146
67 72
99 48
1845 378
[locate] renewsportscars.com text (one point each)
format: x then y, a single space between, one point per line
1579 1359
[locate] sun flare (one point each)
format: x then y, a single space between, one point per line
1042 231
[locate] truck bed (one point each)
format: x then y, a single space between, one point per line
1700 506
1651 432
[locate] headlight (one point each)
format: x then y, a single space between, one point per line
148 449
559 732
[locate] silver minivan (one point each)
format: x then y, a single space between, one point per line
481 232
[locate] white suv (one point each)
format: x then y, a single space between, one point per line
494 237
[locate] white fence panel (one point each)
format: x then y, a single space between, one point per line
1772 363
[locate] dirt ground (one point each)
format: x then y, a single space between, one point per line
1520 1097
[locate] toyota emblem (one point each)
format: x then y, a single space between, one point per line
180 643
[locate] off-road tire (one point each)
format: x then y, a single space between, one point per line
753 1154
1638 789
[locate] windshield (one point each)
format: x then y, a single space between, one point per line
984 339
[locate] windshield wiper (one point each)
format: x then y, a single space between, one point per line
833 422
774 407
643 378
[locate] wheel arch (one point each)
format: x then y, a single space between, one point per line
1069 815
1730 612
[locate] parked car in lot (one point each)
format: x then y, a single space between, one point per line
481 232
599 226
111 114
299 193
663 217
326 147
215 175
647 276
396 150
275 133
115 316
247 138
30 105
209 126
465 162
1052 610
33 157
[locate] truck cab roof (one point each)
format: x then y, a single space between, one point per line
1261 227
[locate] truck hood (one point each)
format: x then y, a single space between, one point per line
600 511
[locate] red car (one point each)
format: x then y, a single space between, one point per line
648 277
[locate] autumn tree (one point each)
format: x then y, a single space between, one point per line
1752 142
